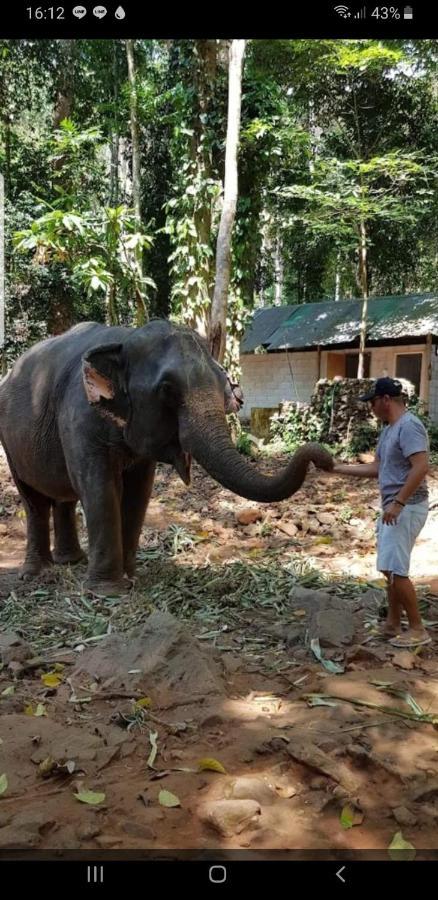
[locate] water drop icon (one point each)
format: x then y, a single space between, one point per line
120 13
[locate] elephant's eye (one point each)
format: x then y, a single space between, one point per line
169 392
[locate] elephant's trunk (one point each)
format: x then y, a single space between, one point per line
204 433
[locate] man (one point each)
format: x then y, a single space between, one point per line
401 464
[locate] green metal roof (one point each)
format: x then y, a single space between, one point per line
329 322
265 322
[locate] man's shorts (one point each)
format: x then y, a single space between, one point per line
395 542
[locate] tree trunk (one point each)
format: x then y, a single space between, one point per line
363 278
115 136
2 273
338 278
65 90
60 314
279 272
141 312
223 250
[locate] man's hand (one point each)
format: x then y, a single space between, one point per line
391 514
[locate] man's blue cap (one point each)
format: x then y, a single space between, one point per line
382 387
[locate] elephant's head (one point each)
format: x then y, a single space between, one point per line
170 397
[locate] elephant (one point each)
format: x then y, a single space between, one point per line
86 415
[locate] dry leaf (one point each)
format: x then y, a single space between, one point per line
401 849
153 735
143 703
51 680
91 797
9 691
47 766
166 798
211 765
3 783
351 816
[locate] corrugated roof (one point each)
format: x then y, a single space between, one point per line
264 323
329 322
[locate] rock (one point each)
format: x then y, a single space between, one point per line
212 720
251 787
326 518
18 839
364 653
107 841
284 631
427 791
139 831
88 832
313 526
309 599
304 751
176 754
404 659
248 515
230 817
301 653
5 818
372 599
403 816
318 800
13 648
333 625
230 663
318 783
173 667
3 528
287 528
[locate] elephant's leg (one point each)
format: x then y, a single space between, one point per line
137 486
101 499
67 547
37 506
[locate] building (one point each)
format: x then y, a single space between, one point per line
286 349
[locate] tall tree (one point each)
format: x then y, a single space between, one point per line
141 311
218 327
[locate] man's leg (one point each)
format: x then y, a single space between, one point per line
406 598
392 624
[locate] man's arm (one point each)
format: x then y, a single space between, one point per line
419 469
364 470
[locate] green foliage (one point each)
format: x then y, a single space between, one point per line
244 443
296 425
332 133
416 407
95 246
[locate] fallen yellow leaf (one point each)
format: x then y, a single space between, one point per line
90 797
208 764
166 798
51 680
143 703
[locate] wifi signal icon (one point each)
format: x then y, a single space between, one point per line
343 11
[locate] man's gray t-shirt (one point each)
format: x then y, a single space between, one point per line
396 443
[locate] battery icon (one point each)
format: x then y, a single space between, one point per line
408 12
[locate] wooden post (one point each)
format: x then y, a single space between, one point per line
319 362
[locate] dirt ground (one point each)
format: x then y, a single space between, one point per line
207 664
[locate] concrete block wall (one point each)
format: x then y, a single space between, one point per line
270 378
433 389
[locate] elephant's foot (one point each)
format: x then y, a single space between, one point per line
33 567
116 588
69 557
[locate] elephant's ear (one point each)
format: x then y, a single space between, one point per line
104 378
